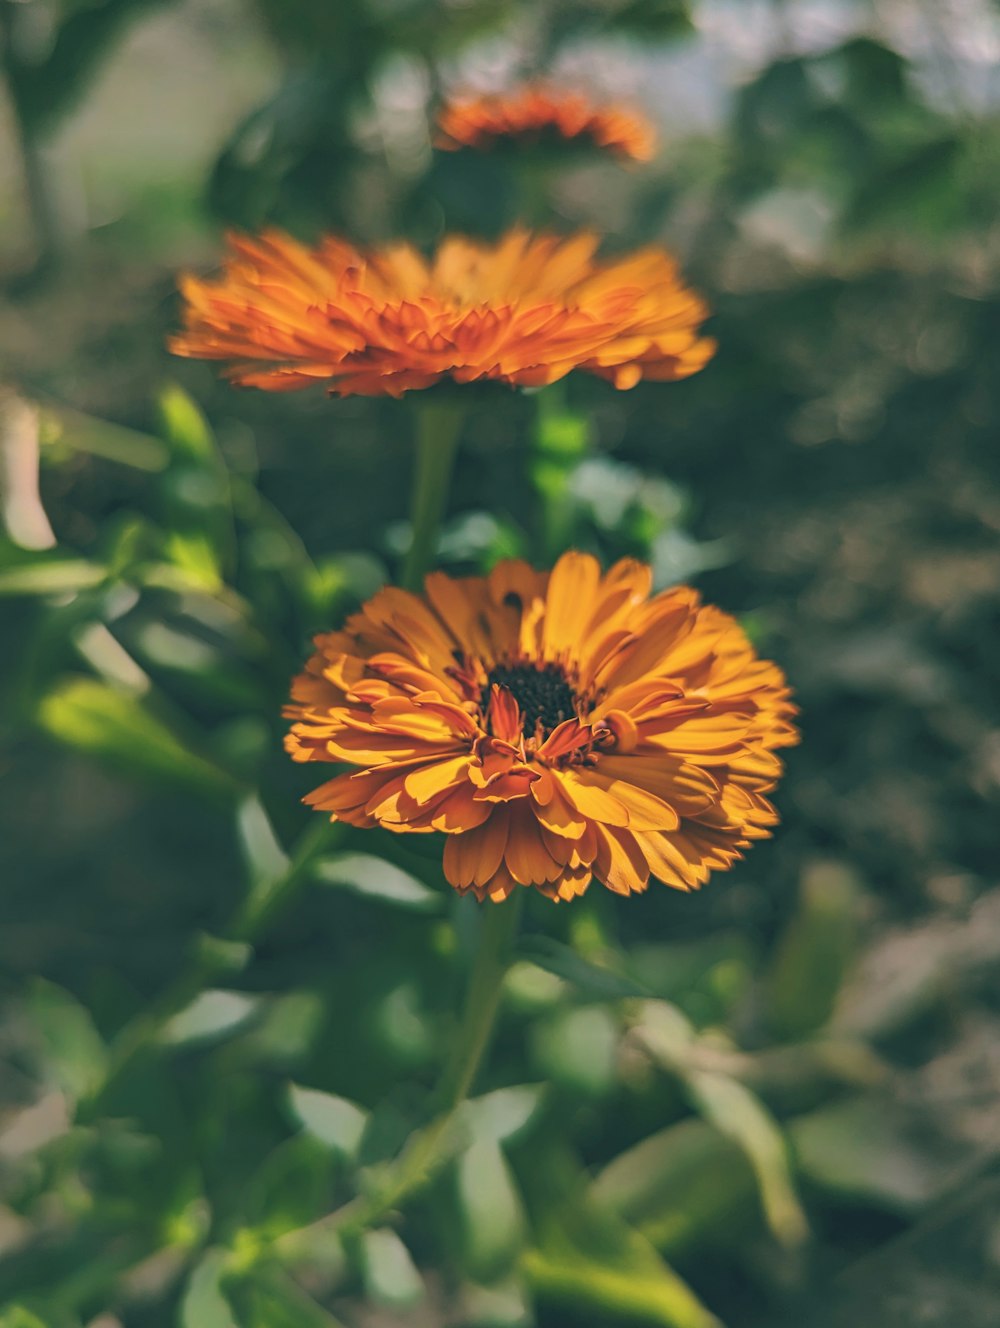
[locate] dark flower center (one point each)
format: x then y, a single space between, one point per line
542 692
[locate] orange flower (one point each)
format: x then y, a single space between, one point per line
555 726
535 111
524 311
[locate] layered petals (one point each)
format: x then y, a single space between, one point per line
523 311
451 712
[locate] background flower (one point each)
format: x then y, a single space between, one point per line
525 311
555 726
537 112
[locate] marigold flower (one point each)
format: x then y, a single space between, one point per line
555 726
523 311
536 111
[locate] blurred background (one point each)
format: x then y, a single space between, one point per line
776 1100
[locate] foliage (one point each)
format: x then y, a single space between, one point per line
228 1017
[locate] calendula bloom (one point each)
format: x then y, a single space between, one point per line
555 726
535 112
523 311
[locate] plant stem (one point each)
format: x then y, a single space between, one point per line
499 926
427 1149
438 428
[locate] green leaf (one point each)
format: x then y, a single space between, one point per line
389 1274
869 1148
492 1223
577 1048
589 1261
204 1304
75 1053
269 1298
211 1017
374 878
736 1113
334 1121
681 1186
51 576
16 1316
119 728
814 953
266 859
502 1114
591 979
502 1304
196 492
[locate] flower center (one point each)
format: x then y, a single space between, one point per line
542 691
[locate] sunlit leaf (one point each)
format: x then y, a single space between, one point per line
389 1273
587 1260
119 728
374 878
51 576
502 1114
736 1113
332 1120
204 1304
196 492
492 1222
210 1017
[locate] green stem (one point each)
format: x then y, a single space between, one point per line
438 428
499 926
427 1149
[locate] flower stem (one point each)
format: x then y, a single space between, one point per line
499 926
438 428
428 1148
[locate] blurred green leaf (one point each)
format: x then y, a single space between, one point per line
374 878
196 492
118 727
872 1149
681 1186
269 1298
65 429
577 1048
204 1303
211 1016
502 1114
918 192
587 1259
502 1304
491 1217
16 1316
815 952
593 980
389 1273
50 576
266 859
736 1113
74 1050
332 1120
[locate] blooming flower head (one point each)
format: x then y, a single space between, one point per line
555 726
535 112
525 311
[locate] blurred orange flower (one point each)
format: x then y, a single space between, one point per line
555 726
525 311
535 111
